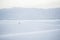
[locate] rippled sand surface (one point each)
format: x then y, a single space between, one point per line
29 29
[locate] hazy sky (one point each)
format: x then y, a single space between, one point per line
29 3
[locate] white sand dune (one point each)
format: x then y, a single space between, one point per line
28 33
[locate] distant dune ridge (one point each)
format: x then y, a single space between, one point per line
29 13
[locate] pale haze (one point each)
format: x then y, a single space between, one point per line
29 19
30 3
